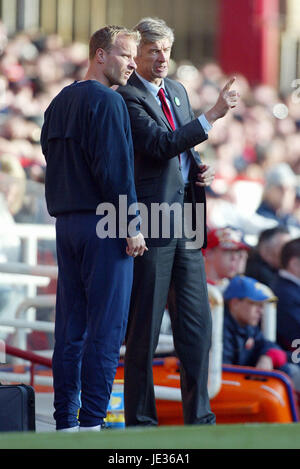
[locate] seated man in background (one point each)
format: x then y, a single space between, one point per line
225 256
243 341
287 288
264 260
279 196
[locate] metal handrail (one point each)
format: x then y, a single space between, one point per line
21 268
31 231
30 234
23 280
42 326
27 378
41 301
28 356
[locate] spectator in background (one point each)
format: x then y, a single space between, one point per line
287 288
12 187
264 260
225 255
279 196
34 68
297 204
243 341
223 210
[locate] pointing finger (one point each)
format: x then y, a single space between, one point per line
229 84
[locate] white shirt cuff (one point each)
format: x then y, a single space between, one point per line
205 124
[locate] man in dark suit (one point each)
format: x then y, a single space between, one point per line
168 171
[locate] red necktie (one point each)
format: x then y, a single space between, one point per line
166 110
165 107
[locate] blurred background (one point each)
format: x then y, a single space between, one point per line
255 149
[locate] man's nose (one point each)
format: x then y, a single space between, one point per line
132 64
162 56
260 310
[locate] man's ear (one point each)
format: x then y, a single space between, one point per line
294 266
100 55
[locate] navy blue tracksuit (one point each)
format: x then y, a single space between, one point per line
86 139
91 318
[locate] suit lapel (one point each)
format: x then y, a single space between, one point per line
149 99
176 108
178 112
156 110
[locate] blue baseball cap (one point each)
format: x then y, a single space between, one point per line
246 287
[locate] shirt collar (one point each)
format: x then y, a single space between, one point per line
287 275
151 86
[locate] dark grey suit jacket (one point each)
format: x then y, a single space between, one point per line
158 175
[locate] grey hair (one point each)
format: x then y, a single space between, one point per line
154 29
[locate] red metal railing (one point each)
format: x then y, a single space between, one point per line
29 356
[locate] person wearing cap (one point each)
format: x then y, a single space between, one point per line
225 256
243 341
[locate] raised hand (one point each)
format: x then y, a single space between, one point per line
227 100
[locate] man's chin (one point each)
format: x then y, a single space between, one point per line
123 81
163 74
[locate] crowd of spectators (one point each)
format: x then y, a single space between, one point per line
253 215
255 150
33 69
247 145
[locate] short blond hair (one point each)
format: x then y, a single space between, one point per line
105 38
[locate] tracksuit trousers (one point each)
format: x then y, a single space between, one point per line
93 296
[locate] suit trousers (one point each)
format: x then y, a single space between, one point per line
175 275
93 296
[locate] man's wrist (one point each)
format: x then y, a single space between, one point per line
205 124
132 236
211 116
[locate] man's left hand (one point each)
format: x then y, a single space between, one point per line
206 175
